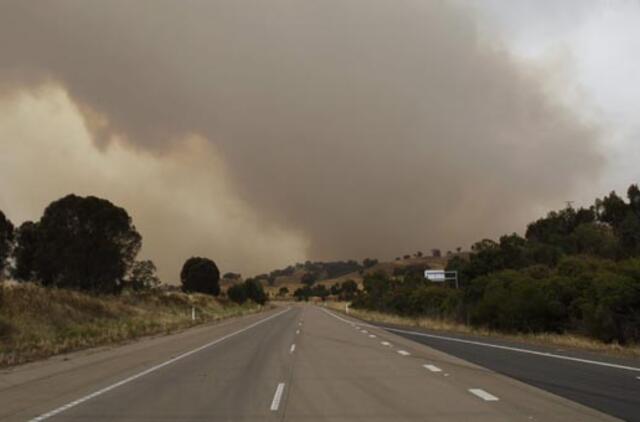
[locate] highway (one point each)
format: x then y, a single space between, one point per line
296 363
609 384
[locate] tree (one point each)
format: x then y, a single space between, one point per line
629 234
232 276
633 193
237 293
255 291
6 242
320 291
302 293
80 243
335 289
308 278
24 252
595 239
348 290
436 253
143 276
200 275
283 291
612 209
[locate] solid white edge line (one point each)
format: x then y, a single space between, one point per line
293 348
497 346
148 371
277 397
483 394
432 368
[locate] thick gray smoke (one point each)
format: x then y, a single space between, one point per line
375 127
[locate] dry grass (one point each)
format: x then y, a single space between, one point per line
547 339
36 322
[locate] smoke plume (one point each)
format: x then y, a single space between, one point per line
365 127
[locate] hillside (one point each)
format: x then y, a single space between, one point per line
293 281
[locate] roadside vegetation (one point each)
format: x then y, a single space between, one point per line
75 281
576 272
450 326
37 322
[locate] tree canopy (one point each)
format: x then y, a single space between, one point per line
84 243
575 270
6 241
200 275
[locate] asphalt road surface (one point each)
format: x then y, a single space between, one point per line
301 363
611 385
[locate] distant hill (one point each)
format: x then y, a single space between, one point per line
329 273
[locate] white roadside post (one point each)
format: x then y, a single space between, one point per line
193 313
346 308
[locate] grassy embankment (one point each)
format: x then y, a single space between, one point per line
546 339
36 322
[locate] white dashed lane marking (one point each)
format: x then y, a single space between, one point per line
372 336
404 352
432 368
385 343
501 347
277 397
483 394
293 348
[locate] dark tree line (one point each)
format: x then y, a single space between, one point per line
89 244
347 290
575 270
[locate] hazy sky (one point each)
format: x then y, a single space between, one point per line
597 46
260 133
